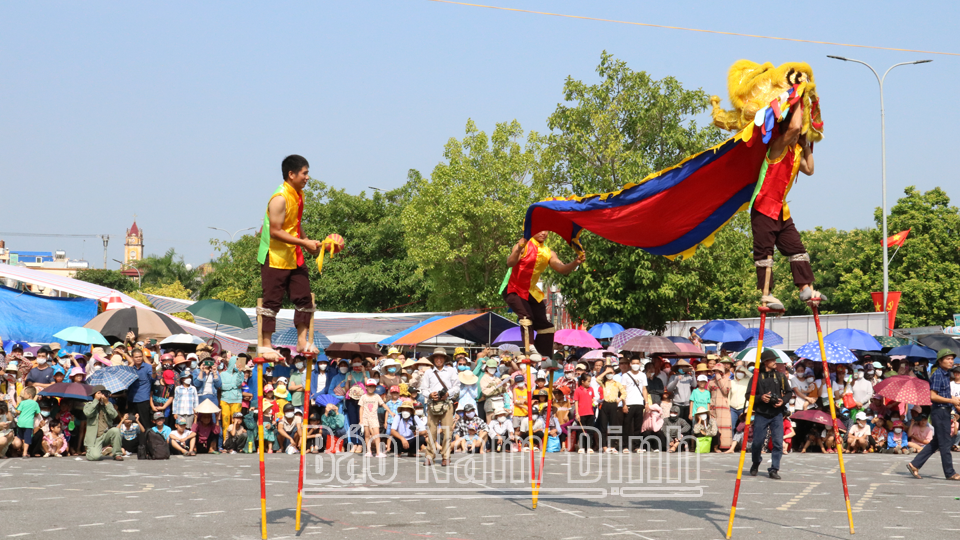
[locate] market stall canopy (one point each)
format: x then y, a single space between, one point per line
474 327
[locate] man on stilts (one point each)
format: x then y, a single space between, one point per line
282 267
528 259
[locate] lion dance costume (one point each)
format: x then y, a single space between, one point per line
674 211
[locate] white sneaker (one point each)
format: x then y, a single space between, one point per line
581 451
590 451
381 455
368 454
640 450
47 454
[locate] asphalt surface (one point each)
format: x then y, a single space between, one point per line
218 497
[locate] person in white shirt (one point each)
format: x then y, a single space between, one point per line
501 431
635 381
441 385
800 384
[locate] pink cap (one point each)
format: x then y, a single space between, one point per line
372 382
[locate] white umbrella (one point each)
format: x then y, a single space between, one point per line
182 339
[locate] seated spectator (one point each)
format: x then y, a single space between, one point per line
206 429
160 427
405 431
675 429
270 433
288 430
130 430
920 434
955 431
315 434
54 443
704 425
182 440
501 431
859 434
7 434
236 436
878 435
897 442
102 438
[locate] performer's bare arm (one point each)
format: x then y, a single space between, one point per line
277 210
806 160
565 269
790 136
514 256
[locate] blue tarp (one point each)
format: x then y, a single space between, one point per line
30 317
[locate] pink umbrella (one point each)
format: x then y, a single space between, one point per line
594 355
904 389
576 338
813 415
687 350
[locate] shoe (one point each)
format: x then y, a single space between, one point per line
771 302
427 462
118 458
955 477
381 455
914 471
754 469
444 462
811 296
590 451
773 474
581 451
47 454
368 454
640 450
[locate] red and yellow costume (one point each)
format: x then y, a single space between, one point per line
524 296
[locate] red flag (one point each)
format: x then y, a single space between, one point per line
893 302
898 239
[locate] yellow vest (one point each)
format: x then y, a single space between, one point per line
283 255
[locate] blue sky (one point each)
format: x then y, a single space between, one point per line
180 112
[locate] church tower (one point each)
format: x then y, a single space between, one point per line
133 247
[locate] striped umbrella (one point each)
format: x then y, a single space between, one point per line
836 353
146 324
618 340
113 378
904 389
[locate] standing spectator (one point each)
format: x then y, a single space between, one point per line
720 388
441 385
772 389
738 395
862 392
27 409
185 399
41 376
139 393
102 439
653 426
695 339
610 419
700 397
369 403
635 383
943 403
130 431
584 397
208 380
681 385
231 390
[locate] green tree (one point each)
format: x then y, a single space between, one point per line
168 268
616 132
462 221
107 278
373 273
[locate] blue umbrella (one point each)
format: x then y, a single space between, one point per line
836 353
8 345
79 334
288 338
605 330
854 339
723 330
913 351
113 378
679 339
770 338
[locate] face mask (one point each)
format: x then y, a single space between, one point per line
848 378
897 430
536 417
634 367
471 414
269 373
609 376
298 365
859 375
391 370
419 413
405 415
289 415
193 364
501 419
41 361
569 376
702 416
492 370
45 413
187 381
740 375
673 415
322 367
809 379
356 367
462 368
344 369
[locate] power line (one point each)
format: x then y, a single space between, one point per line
691 29
50 235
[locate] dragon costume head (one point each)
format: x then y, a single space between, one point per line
762 93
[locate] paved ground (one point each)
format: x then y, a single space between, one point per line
218 497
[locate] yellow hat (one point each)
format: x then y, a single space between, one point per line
393 351
459 350
754 87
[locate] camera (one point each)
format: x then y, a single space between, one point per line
442 394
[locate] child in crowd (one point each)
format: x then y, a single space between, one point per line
185 400
897 441
368 404
236 435
27 409
269 432
159 426
130 431
54 443
183 441
288 430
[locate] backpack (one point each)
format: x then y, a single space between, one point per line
153 446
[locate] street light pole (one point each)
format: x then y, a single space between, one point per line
883 159
139 276
232 236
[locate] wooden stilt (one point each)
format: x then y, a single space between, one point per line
310 359
263 475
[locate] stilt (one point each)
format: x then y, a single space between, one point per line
546 435
263 474
310 358
833 414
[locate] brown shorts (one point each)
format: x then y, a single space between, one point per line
277 283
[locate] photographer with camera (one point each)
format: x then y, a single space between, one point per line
207 381
103 439
440 384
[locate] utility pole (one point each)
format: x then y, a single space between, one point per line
106 240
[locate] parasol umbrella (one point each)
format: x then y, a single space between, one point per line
185 342
346 350
145 323
617 341
651 345
679 339
813 415
941 341
70 390
576 338
81 335
594 355
750 355
913 352
509 348
289 338
723 330
220 312
904 389
687 350
836 353
113 378
511 335
9 345
851 338
890 341
770 338
605 330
